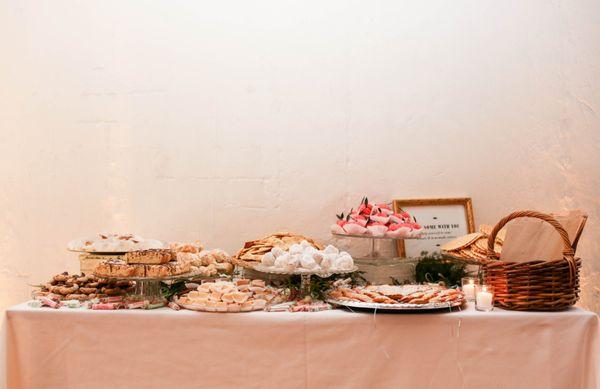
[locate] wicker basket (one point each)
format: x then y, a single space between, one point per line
534 285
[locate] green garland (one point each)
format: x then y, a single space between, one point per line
319 286
437 268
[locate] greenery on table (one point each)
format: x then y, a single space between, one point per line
319 286
170 289
437 268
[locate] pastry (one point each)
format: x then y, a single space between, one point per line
226 296
150 256
82 287
121 269
377 220
280 242
113 243
393 294
303 256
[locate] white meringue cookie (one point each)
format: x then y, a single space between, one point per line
268 259
309 250
318 257
328 261
331 250
281 261
277 251
296 249
344 262
293 262
305 244
307 262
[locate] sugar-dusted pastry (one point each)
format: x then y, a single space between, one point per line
303 256
110 242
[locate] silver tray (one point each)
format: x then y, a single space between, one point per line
365 236
400 307
320 273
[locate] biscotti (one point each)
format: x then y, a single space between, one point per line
150 257
120 268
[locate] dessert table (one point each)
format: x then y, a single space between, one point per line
164 348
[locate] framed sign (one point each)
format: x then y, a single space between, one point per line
442 221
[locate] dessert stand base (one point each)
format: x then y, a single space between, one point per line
148 290
305 275
379 271
378 261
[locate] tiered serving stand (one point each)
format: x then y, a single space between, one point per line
379 268
148 288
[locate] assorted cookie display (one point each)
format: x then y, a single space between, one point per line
242 295
393 294
305 257
474 247
81 287
253 251
206 263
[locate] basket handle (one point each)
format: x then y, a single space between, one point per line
568 251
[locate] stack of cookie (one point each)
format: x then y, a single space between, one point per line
82 287
474 247
253 251
152 263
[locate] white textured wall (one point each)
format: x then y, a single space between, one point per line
226 120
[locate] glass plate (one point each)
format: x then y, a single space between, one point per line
320 273
372 237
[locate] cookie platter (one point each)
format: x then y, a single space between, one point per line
241 295
396 297
400 307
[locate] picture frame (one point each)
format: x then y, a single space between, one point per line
442 219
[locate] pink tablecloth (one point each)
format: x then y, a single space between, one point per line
168 349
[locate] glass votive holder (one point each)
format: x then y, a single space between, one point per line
468 287
484 298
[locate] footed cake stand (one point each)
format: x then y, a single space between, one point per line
379 268
148 288
304 274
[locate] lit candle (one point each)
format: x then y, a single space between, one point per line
484 299
469 290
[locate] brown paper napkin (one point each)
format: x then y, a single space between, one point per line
529 239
